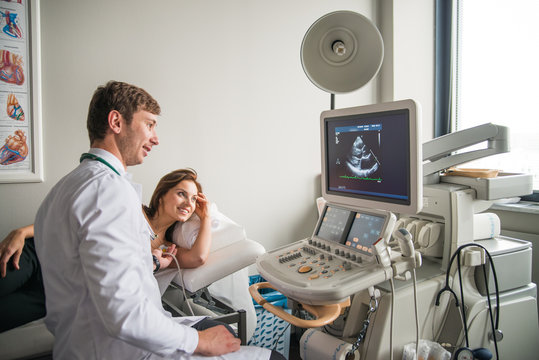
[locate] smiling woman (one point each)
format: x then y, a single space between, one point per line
178 196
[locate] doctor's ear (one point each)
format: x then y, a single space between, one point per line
115 121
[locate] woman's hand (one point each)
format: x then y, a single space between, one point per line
164 259
199 251
202 207
11 248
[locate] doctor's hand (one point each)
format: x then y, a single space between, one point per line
11 248
216 341
165 260
203 206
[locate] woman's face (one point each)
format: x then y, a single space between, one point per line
180 201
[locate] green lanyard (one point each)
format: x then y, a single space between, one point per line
97 158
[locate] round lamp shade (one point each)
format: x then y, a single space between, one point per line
342 51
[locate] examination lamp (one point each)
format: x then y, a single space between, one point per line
341 52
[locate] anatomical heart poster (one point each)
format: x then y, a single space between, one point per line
17 126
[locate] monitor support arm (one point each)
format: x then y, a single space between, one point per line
437 153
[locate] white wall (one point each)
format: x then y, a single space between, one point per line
408 69
236 104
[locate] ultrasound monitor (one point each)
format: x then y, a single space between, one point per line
371 157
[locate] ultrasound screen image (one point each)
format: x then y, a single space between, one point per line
368 156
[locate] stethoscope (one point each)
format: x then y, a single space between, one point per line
97 158
466 352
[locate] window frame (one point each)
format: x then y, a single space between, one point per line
447 61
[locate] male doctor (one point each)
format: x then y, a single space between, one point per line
102 299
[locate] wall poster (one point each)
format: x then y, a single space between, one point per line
20 92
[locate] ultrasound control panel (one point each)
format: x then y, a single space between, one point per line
337 261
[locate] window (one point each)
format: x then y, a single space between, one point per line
497 77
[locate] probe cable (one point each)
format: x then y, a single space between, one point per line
181 279
463 308
495 324
490 308
392 316
416 311
416 314
279 337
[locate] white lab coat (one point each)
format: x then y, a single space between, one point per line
102 299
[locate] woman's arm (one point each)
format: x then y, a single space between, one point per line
198 254
11 247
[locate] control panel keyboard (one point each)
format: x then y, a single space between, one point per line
316 272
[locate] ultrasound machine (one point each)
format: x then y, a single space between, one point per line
384 218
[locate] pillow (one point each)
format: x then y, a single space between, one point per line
224 231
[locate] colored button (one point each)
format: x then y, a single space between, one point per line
304 269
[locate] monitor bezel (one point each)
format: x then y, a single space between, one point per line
415 153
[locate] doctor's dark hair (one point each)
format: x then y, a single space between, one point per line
125 98
166 183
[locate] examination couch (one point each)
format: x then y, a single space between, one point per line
224 277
